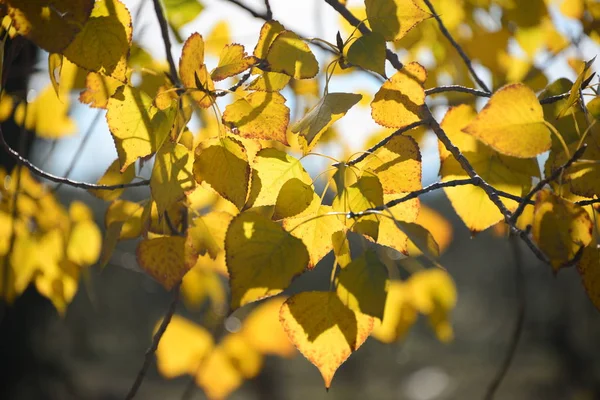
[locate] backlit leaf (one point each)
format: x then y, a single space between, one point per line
138 127
171 175
207 233
329 109
98 89
182 12
399 314
166 259
574 93
85 243
399 100
128 214
223 165
233 60
269 82
262 258
560 228
512 123
103 44
394 18
47 115
368 52
114 176
193 72
289 54
362 285
259 115
324 330
269 31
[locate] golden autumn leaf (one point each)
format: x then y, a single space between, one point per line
247 359
399 314
328 110
218 376
394 18
389 233
233 60
271 170
259 115
263 331
560 228
218 38
574 93
114 176
398 102
166 259
295 198
512 122
434 222
455 120
289 54
138 128
182 348
341 248
171 175
202 283
129 214
84 244
324 330
207 233
269 31
103 43
362 285
262 258
193 72
316 231
223 165
397 164
51 24
98 89
269 82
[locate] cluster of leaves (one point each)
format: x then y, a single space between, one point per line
235 202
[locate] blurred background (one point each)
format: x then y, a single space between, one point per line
97 348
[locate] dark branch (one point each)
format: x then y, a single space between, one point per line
269 14
164 30
57 179
457 88
348 16
255 14
155 341
518 329
461 52
555 174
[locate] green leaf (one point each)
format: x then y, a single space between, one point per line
368 52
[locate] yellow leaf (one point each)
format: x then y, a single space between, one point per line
271 170
269 81
341 248
394 18
201 283
193 72
262 258
113 176
207 233
560 228
316 231
171 175
260 115
399 314
295 199
244 357
217 376
508 174
440 227
455 120
47 115
289 54
269 31
512 123
368 52
223 165
98 89
398 102
329 109
218 38
589 270
397 164
364 194
129 214
433 293
137 126
166 259
262 329
182 348
51 24
574 93
233 60
85 243
324 330
362 285
103 44
389 234
573 8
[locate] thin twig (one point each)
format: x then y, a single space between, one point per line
164 30
348 16
383 142
254 13
457 88
155 341
518 329
461 52
86 136
587 202
57 179
269 14
540 185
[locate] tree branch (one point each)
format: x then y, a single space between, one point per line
457 88
164 30
81 185
254 13
348 16
155 341
269 14
518 329
461 52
